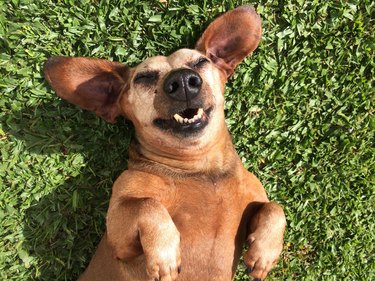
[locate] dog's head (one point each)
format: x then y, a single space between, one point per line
172 101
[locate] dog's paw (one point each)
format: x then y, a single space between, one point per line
262 255
163 257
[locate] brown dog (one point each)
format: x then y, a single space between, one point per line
186 206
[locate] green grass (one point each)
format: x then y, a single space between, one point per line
301 111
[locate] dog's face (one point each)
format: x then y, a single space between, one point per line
174 102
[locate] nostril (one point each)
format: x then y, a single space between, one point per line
195 81
172 87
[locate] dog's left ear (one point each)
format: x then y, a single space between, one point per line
231 37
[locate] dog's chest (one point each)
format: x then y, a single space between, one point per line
208 216
210 203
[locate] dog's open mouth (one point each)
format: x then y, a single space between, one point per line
191 120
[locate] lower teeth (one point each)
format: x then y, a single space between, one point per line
182 120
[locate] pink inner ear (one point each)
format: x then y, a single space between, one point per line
231 37
92 84
221 63
100 94
102 89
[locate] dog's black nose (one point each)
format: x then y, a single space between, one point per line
182 84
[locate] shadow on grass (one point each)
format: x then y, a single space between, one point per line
78 156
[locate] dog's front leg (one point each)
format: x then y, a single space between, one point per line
143 225
265 238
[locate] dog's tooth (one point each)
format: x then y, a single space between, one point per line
193 119
178 118
200 112
182 120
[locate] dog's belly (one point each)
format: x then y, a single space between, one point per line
211 234
208 258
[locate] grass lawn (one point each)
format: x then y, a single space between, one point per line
301 111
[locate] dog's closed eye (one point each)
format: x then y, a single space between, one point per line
146 78
200 62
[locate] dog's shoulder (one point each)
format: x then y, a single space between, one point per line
139 183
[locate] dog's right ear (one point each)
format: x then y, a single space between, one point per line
92 84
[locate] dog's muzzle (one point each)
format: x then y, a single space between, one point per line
182 84
191 116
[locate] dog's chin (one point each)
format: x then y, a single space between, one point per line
188 123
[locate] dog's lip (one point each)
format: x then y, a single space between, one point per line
188 121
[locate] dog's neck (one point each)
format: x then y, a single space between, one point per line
216 157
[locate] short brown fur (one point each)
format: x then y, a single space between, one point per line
185 207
